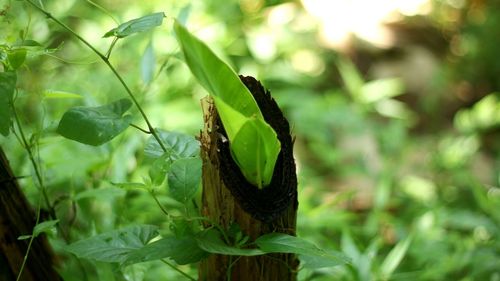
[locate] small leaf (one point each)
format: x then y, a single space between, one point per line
148 64
16 58
24 237
114 246
28 43
394 258
184 178
210 241
178 145
136 25
44 227
7 86
95 125
56 94
284 243
183 250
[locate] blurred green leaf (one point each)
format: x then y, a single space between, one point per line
56 94
136 25
380 89
184 178
114 246
393 259
7 86
148 63
95 125
101 193
16 57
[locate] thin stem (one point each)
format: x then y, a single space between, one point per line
140 129
42 193
108 53
38 174
159 204
107 62
178 270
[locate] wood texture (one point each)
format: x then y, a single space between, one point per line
17 218
223 208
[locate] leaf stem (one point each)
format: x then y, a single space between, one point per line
140 129
178 270
105 59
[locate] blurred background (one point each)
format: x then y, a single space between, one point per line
395 107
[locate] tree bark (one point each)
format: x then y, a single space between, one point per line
16 219
228 198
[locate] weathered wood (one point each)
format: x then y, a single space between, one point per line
17 218
225 204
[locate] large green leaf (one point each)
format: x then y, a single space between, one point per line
136 25
183 250
312 255
7 85
184 178
210 241
114 246
235 105
95 125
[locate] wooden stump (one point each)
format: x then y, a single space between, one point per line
228 198
17 218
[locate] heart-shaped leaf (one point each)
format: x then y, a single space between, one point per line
95 125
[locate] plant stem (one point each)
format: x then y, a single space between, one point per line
178 270
43 192
105 59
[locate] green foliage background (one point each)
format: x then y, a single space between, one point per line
403 181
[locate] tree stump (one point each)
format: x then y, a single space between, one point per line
16 219
228 198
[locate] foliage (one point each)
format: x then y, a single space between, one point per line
404 182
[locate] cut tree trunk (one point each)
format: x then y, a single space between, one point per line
17 218
228 198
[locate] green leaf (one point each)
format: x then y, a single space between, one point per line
380 89
184 178
40 228
56 94
7 86
130 185
235 105
16 58
284 243
210 241
95 125
258 151
394 258
183 250
136 25
114 246
148 64
178 145
44 227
